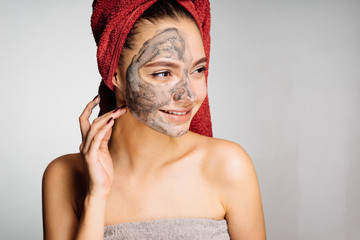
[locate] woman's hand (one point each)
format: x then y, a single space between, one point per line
94 148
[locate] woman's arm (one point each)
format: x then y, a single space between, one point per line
60 188
91 224
241 195
59 195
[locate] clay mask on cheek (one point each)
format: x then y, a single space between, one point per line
145 99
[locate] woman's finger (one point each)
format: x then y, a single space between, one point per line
98 139
99 123
85 115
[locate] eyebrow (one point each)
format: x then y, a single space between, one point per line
172 64
201 60
162 63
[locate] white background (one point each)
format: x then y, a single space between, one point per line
284 83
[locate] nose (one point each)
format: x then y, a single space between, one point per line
184 92
180 94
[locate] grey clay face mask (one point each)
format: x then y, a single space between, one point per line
146 98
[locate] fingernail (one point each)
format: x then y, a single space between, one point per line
119 108
95 97
109 120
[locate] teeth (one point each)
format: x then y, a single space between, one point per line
176 113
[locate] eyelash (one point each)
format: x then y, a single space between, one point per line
158 74
200 70
168 73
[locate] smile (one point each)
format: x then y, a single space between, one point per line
177 116
175 113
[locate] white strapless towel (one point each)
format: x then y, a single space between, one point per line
169 229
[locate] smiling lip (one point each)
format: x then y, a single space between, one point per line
178 116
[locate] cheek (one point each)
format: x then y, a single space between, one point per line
141 96
201 91
145 98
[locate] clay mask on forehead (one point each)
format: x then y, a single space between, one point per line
145 99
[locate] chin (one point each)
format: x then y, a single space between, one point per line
172 131
179 133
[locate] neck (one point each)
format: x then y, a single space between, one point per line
138 149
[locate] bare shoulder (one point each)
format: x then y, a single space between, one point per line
66 176
64 171
66 164
227 161
63 190
230 169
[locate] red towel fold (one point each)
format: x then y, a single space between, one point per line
111 22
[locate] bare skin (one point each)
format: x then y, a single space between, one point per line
129 170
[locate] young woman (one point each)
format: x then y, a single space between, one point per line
140 173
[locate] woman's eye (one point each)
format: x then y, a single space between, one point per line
200 70
161 74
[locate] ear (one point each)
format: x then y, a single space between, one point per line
119 87
116 80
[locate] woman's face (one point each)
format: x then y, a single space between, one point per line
165 80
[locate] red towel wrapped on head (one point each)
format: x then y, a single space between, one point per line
111 22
